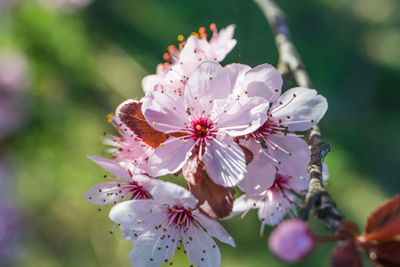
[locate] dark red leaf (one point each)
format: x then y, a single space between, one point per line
193 170
131 115
383 224
387 254
345 254
214 200
248 154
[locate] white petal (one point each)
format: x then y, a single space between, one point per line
129 234
225 162
164 111
111 166
136 214
170 157
215 229
173 195
208 82
307 107
241 117
201 249
260 172
104 194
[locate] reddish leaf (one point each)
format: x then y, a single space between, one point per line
248 154
345 254
383 223
131 115
193 170
386 254
214 200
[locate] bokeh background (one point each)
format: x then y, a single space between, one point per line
65 64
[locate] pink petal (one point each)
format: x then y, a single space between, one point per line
236 73
145 253
111 166
241 117
272 210
307 107
215 229
244 203
173 195
225 162
208 82
296 163
104 193
260 172
223 44
194 49
201 248
264 81
164 111
170 157
129 234
146 182
153 82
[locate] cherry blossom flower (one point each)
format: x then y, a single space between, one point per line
168 222
180 63
275 143
127 149
276 202
126 185
292 240
204 122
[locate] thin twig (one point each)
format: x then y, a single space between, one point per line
291 65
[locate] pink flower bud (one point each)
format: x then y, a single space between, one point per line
292 240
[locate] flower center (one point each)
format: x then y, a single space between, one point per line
180 216
202 129
137 191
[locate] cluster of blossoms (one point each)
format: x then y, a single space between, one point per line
220 127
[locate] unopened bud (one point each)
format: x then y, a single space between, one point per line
292 240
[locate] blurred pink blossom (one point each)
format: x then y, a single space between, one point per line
292 240
13 91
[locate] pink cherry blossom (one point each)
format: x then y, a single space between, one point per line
130 151
168 222
207 118
275 143
276 202
125 185
173 75
292 240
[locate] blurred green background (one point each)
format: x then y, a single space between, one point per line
83 61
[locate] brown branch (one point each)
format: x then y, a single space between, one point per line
290 65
